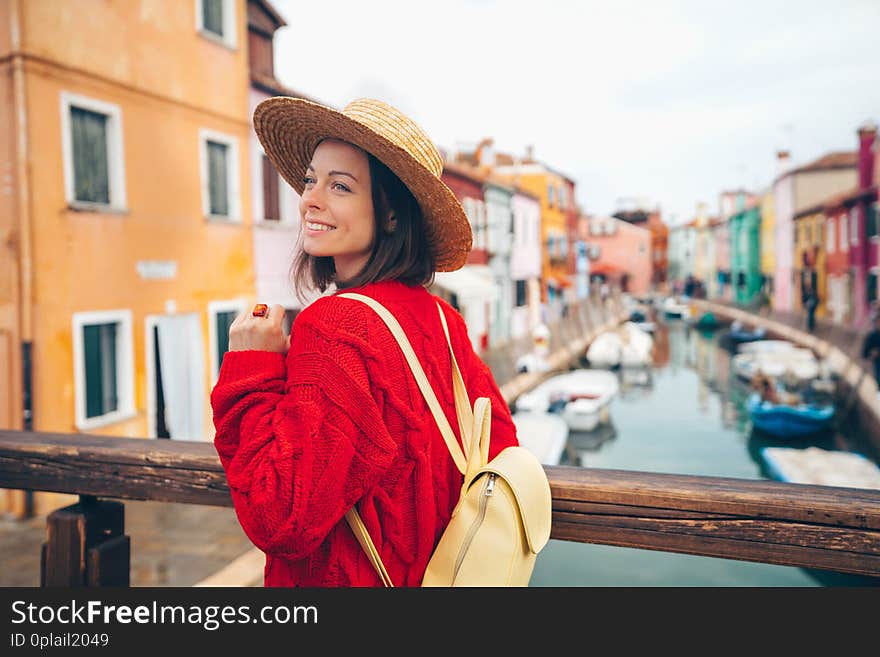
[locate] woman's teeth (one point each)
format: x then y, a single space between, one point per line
313 226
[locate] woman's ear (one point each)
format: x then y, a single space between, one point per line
390 223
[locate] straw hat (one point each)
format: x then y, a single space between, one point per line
291 128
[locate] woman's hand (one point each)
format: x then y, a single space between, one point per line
259 333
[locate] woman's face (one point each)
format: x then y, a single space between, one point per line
337 207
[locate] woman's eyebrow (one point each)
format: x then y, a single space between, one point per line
336 173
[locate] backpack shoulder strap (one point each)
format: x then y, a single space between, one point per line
445 429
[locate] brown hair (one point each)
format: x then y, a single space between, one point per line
403 254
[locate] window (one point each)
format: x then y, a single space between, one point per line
103 367
220 183
94 171
844 243
871 221
871 289
271 206
550 192
220 317
215 19
854 225
520 294
830 236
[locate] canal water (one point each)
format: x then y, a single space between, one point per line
685 416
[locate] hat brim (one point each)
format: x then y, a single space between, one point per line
291 128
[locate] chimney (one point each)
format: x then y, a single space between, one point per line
867 135
783 162
485 154
530 154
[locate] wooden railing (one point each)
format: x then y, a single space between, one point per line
818 527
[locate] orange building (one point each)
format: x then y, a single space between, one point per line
127 245
555 192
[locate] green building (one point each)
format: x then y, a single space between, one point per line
745 254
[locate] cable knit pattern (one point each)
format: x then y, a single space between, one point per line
341 420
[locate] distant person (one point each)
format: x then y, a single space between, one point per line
871 349
765 388
811 301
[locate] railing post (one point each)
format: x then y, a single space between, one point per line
86 545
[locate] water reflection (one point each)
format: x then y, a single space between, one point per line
688 416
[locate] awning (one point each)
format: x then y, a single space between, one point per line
605 268
471 281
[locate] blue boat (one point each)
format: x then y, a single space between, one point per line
788 421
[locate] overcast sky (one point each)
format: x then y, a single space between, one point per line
673 102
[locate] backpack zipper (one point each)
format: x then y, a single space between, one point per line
486 493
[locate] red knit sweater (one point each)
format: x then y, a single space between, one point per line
340 420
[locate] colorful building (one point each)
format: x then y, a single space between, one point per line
525 263
128 160
745 254
552 190
808 263
795 190
642 216
767 243
623 255
471 289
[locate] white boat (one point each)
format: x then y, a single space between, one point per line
821 467
543 434
627 345
765 346
795 362
674 309
582 395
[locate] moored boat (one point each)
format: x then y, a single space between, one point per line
543 434
821 467
588 392
793 420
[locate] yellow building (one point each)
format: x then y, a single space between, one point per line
768 242
550 187
126 240
809 256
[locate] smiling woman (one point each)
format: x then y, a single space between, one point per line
307 429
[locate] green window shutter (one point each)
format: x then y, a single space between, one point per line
217 178
871 220
92 346
224 321
212 16
91 176
108 367
99 342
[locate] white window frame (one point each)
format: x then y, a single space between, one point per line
233 182
830 235
115 152
124 367
844 225
229 38
214 308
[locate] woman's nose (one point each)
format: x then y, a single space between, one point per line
311 197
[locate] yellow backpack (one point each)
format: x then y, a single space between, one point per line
502 519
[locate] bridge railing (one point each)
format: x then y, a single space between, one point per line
819 527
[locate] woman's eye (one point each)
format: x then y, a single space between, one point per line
308 180
340 186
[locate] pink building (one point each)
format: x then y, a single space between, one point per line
624 254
